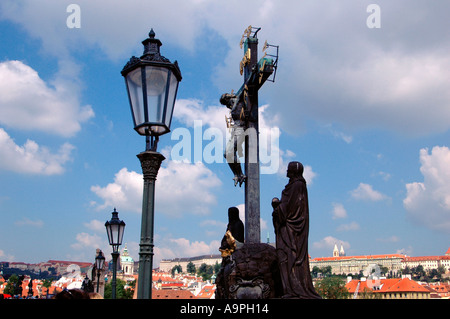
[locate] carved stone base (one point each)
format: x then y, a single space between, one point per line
251 272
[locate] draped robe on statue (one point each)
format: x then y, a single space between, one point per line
291 223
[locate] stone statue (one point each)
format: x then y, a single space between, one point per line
248 271
232 240
234 235
233 149
291 223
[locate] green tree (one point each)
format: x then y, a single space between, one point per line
121 291
205 271
326 271
332 288
315 271
190 268
47 283
176 268
11 284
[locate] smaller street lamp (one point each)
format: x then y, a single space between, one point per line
99 262
115 228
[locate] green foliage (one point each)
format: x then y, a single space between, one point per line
121 291
191 268
176 268
323 271
332 288
11 284
205 271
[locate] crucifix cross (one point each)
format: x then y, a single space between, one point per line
245 127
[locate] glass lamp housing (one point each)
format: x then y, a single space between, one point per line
152 85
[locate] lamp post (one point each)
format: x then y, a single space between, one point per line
99 262
152 85
114 228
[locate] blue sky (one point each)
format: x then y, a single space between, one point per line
366 110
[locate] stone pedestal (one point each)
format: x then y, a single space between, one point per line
251 272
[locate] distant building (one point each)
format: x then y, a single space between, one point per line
427 262
342 264
338 253
168 264
126 262
355 264
396 288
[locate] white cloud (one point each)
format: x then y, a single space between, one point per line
187 188
170 248
96 225
366 192
327 243
180 188
428 202
395 77
189 110
339 211
175 21
28 103
28 222
125 193
85 240
348 227
347 138
272 159
6 257
32 158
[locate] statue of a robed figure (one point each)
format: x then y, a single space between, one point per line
291 223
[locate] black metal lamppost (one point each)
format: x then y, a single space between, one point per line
152 85
114 228
99 262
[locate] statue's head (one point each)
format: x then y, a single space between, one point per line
225 99
233 213
295 169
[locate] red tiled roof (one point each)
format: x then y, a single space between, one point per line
389 285
403 285
424 258
172 294
207 292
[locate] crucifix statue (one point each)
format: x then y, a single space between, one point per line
244 125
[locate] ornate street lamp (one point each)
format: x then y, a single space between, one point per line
114 228
99 262
152 85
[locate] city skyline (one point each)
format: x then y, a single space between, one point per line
360 98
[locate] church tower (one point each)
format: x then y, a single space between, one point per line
126 262
342 252
335 251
